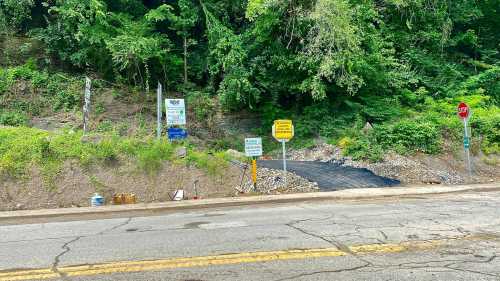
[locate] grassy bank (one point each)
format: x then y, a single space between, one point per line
22 147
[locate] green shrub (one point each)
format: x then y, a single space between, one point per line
19 148
150 156
213 164
363 149
345 142
409 136
485 125
202 104
106 150
377 109
5 81
105 126
66 100
226 143
12 118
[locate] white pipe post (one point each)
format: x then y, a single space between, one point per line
284 161
467 150
86 105
159 111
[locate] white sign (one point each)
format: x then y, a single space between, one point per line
176 112
253 147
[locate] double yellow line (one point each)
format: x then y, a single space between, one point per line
165 264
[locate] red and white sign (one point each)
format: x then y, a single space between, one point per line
463 110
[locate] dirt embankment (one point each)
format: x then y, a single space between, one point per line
74 186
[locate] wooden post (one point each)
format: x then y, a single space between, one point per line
86 105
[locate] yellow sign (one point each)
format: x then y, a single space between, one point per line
283 130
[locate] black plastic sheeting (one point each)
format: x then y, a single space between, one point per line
331 176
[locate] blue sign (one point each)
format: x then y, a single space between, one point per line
177 134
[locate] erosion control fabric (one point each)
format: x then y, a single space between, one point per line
332 176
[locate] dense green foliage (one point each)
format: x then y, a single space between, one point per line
331 65
26 91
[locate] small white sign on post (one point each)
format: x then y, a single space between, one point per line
253 147
86 105
176 112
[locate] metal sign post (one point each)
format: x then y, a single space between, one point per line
253 149
283 131
467 147
464 114
86 105
254 173
283 143
159 111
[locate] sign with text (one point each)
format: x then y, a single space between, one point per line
176 112
283 130
177 134
253 147
463 110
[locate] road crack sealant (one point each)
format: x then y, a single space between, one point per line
342 247
116 226
451 265
66 248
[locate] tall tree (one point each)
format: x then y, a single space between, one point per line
14 14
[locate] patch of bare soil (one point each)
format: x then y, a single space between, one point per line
75 186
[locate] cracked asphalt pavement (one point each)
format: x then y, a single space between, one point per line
446 237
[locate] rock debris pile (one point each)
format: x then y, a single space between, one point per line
408 171
271 181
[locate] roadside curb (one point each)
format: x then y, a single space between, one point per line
10 217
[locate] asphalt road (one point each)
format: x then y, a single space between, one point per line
332 176
447 237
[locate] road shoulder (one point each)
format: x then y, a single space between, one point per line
30 216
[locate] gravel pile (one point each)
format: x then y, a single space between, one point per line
408 171
320 152
272 182
393 166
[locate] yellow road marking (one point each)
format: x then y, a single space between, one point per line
156 265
